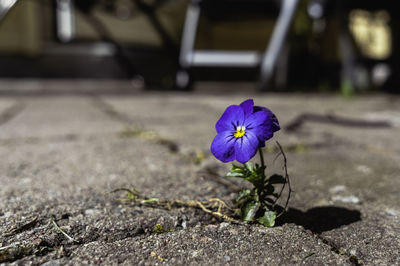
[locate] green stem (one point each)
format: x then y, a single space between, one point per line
262 183
262 161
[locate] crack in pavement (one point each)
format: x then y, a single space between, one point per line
134 129
43 245
110 111
352 258
23 227
49 139
297 122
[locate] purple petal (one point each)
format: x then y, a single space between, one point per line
246 147
263 134
247 107
275 124
230 119
263 123
223 146
272 117
255 120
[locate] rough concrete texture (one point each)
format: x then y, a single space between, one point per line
61 156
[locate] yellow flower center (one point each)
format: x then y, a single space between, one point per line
240 131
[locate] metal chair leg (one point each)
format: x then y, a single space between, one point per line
65 20
269 61
183 78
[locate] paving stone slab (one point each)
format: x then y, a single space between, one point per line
68 166
57 116
7 102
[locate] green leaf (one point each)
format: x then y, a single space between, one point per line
243 194
235 174
159 229
249 166
237 171
249 210
270 201
253 178
276 179
269 189
131 196
237 167
268 219
260 170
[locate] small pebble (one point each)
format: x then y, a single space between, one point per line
223 225
92 212
336 189
348 199
391 212
184 224
364 169
233 231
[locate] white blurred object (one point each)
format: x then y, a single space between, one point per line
315 10
65 20
380 73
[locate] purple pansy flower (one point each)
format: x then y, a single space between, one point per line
242 129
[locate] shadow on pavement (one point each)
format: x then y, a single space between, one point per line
321 219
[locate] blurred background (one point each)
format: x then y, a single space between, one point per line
289 45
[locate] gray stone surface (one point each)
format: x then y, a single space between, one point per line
61 156
6 103
50 116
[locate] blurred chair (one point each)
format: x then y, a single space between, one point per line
64 19
267 61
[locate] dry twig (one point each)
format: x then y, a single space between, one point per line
206 206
